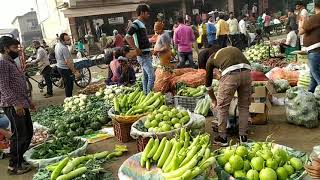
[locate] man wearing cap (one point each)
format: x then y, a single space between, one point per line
42 60
235 78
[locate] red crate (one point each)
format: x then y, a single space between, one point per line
122 131
142 143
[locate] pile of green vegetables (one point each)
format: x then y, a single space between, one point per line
56 147
166 119
179 157
203 106
137 103
191 92
69 122
81 168
49 115
259 161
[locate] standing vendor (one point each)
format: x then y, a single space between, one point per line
162 47
235 78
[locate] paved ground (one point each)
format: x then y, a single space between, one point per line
283 133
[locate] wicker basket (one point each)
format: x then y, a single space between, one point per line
124 119
122 131
142 143
189 103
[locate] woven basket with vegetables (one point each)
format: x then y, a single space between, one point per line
129 108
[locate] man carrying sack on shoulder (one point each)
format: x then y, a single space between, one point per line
235 77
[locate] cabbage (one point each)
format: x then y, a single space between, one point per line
281 85
302 107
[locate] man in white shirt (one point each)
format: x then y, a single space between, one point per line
243 32
302 17
233 28
291 41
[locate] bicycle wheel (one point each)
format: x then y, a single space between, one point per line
85 78
29 88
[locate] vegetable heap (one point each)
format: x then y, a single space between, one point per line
39 136
110 92
258 162
302 107
76 103
281 85
83 167
203 106
137 103
49 115
166 119
58 147
257 53
179 157
191 92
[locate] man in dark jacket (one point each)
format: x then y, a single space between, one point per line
292 20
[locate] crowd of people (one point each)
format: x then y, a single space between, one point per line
216 35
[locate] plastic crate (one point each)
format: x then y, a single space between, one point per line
122 131
189 103
142 143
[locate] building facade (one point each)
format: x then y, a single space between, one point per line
28 27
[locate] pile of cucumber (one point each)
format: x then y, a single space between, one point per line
180 157
137 103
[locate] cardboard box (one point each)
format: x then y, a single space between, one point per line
259 113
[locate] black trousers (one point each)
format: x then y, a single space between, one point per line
68 79
222 40
22 129
46 73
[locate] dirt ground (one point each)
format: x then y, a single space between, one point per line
293 136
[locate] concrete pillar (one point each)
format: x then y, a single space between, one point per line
73 28
231 5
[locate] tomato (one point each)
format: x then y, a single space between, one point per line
289 169
239 173
222 160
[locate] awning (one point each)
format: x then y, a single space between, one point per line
99 10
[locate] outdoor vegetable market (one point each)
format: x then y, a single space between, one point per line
215 98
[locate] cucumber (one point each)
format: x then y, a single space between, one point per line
164 154
147 149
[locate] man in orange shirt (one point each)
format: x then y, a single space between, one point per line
222 31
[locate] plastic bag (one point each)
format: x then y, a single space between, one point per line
162 82
258 76
136 129
191 79
276 73
40 163
198 125
179 72
302 108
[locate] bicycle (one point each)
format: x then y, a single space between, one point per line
57 80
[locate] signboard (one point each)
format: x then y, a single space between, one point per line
116 20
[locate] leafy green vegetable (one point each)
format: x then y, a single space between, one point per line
57 147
